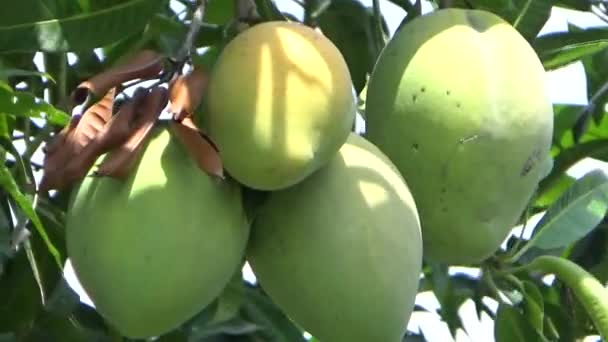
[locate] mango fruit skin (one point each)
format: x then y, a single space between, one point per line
341 252
155 250
280 103
457 101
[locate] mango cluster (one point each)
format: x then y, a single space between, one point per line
458 131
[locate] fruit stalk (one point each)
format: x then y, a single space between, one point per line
589 291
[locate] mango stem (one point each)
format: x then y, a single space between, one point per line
589 291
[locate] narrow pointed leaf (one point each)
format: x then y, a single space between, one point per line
527 16
25 104
79 32
511 325
8 184
576 213
533 306
558 49
349 25
268 10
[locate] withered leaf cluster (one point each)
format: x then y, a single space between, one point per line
122 136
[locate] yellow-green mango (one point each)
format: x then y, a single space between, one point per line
458 101
280 103
154 250
341 252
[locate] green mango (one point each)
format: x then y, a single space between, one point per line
341 252
279 105
457 100
155 249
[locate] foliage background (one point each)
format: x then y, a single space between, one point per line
66 39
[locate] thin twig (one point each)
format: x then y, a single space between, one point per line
195 26
592 102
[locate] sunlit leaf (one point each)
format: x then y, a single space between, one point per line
557 49
551 194
577 212
78 32
25 104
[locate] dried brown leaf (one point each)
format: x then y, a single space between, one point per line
143 65
199 147
65 150
121 161
78 149
186 93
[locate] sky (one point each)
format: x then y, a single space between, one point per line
565 85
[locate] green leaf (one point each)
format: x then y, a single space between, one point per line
568 157
268 10
596 73
259 309
559 323
49 327
8 337
20 299
511 325
79 32
558 49
527 16
4 73
552 194
169 34
5 236
89 318
579 5
406 5
565 118
230 300
350 26
533 306
219 12
7 123
576 213
37 10
411 337
8 183
24 104
6 226
451 292
63 300
234 327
